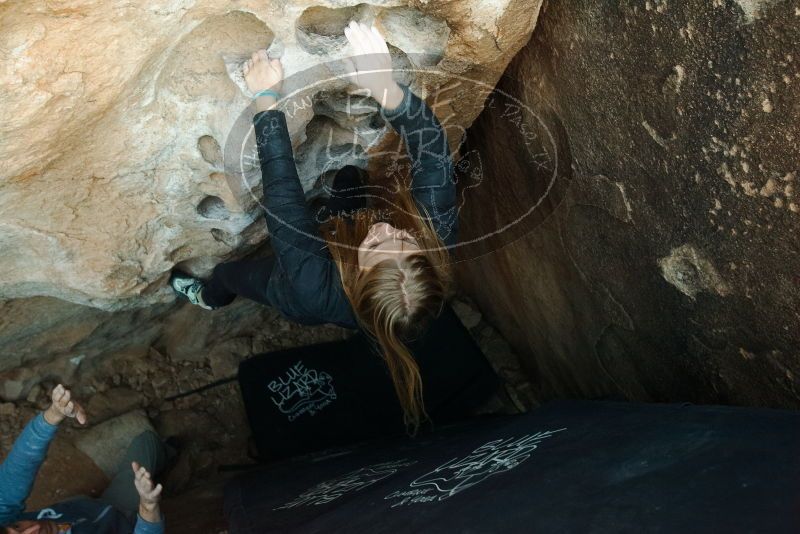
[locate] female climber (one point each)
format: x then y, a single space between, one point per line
383 268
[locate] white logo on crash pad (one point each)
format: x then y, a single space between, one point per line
459 474
357 480
301 390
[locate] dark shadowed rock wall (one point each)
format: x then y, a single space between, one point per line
663 264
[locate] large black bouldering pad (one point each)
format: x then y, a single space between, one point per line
569 466
320 396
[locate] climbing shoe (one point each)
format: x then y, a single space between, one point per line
189 287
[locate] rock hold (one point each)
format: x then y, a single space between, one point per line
690 272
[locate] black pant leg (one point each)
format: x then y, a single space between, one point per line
246 278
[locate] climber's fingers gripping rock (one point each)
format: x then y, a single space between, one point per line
370 65
261 72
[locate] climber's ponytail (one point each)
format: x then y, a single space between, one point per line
406 377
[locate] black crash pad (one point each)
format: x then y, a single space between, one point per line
569 466
315 397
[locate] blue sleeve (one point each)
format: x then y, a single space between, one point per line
432 184
146 527
18 471
303 262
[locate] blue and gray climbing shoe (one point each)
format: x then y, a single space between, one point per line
188 287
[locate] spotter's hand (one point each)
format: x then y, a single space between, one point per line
149 493
63 406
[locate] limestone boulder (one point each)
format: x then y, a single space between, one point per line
114 121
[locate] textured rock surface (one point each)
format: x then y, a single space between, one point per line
107 443
45 340
113 117
664 265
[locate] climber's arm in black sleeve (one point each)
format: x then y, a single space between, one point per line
433 186
302 257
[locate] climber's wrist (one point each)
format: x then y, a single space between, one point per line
52 416
266 99
392 97
267 92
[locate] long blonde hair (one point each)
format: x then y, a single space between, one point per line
394 301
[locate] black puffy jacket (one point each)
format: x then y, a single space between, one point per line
305 284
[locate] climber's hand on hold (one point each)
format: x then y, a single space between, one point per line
260 73
63 406
370 66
